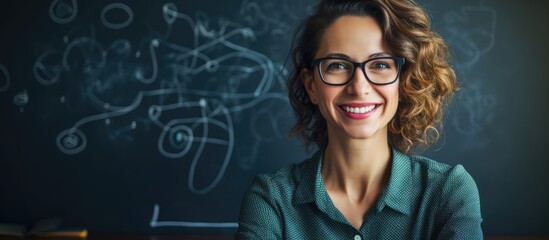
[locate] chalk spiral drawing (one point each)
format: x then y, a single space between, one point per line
61 12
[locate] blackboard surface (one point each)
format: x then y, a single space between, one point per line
153 116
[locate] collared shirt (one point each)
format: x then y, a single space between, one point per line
424 199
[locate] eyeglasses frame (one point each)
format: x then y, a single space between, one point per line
400 63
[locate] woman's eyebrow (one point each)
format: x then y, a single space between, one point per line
345 56
379 54
338 55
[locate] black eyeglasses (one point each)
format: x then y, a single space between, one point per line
339 71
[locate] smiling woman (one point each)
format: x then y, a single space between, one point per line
369 84
358 93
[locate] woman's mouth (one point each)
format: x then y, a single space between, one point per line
359 111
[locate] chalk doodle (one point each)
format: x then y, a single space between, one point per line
123 7
47 68
155 223
195 79
276 19
262 17
476 112
62 12
21 99
470 34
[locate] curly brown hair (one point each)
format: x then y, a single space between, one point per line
427 81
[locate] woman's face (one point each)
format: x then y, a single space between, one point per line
359 109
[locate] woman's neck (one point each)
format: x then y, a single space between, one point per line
356 166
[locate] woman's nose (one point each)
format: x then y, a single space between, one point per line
359 85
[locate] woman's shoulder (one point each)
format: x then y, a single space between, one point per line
453 194
288 178
448 181
436 169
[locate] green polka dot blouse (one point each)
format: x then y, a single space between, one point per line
423 200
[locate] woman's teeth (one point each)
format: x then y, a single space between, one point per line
359 109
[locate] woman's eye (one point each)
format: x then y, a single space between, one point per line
337 66
380 65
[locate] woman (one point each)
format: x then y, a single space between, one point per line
370 78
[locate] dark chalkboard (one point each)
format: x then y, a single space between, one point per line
153 116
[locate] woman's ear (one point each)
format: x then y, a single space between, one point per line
306 77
